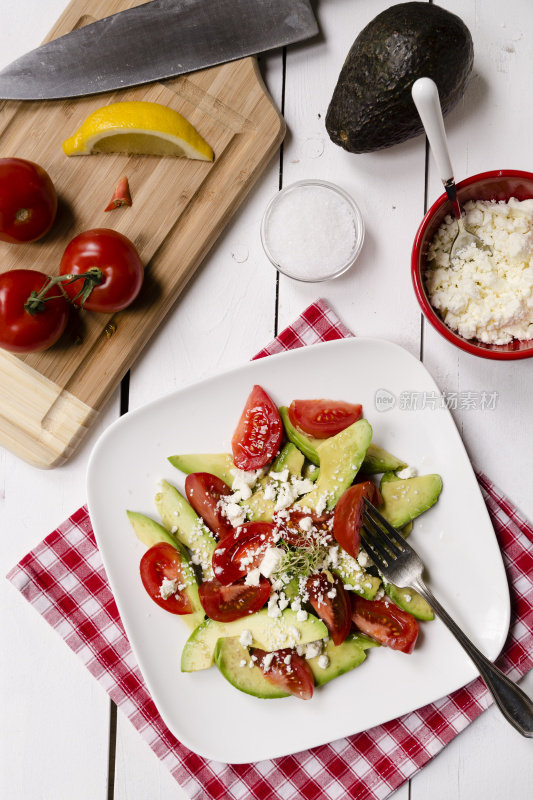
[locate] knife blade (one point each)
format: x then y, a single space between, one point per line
154 41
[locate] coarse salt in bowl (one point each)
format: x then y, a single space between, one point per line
312 231
497 185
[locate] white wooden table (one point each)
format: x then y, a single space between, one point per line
60 737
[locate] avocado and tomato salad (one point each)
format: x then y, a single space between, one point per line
262 555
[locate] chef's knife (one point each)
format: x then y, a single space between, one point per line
154 41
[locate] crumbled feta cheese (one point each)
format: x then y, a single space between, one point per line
305 524
267 660
253 578
333 556
362 558
301 615
408 472
283 601
303 486
481 294
313 649
168 587
287 659
282 476
246 638
270 492
296 604
242 662
271 561
323 662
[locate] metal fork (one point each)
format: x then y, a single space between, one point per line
399 564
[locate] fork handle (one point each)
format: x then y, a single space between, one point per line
514 704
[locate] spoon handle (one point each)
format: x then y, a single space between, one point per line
426 99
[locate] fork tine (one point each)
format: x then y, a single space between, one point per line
373 513
375 549
380 535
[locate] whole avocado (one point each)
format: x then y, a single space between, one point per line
372 107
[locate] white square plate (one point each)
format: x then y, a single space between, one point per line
455 539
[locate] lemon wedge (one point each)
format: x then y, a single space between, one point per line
139 128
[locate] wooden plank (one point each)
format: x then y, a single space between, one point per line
180 208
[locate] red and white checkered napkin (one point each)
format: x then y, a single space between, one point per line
65 580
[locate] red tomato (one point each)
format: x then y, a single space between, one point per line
242 551
203 492
164 561
385 622
293 534
259 432
296 677
323 418
334 611
226 603
28 201
117 259
349 513
20 330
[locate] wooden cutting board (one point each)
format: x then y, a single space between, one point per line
48 400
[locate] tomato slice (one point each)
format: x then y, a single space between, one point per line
292 674
164 561
323 418
349 514
332 604
259 432
295 536
242 551
226 603
385 622
203 492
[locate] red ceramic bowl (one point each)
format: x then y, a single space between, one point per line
497 185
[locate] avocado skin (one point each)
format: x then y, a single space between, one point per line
372 107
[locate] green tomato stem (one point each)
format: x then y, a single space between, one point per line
36 302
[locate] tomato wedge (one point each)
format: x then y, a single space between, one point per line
349 513
332 604
295 536
385 622
226 603
259 432
323 418
203 492
242 551
286 669
164 561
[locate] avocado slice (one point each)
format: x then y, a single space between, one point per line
371 107
379 460
352 574
229 653
180 518
409 600
150 532
219 464
376 458
341 457
258 508
250 679
343 658
267 633
291 458
307 444
407 498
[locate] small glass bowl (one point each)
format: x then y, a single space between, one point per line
325 271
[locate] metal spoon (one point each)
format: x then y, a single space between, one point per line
426 99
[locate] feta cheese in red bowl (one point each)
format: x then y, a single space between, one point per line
465 313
